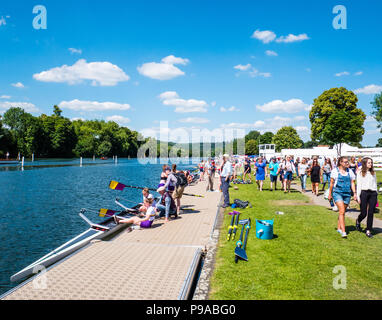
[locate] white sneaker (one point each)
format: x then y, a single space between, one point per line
339 231
335 208
344 235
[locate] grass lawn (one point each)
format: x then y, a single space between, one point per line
299 263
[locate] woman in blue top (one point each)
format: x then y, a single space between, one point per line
261 171
341 184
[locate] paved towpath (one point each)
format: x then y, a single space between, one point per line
148 264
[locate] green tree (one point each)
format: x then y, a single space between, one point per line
266 138
310 144
287 138
379 144
251 147
335 118
104 149
252 135
377 109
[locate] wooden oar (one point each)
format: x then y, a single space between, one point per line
115 185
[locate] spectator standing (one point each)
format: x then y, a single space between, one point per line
302 173
366 194
273 172
341 185
225 176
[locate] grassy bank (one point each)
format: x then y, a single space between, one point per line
299 262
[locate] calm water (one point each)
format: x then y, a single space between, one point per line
39 206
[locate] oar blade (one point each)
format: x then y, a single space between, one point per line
115 185
107 212
241 254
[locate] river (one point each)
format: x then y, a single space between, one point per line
39 205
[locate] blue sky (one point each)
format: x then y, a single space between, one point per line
196 64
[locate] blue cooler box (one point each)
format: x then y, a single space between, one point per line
264 229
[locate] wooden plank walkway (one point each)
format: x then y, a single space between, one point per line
149 264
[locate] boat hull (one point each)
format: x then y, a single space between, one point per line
70 247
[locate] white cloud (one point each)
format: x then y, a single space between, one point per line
264 36
164 70
171 59
80 105
171 98
243 68
359 73
74 50
5 97
302 129
18 85
293 38
99 73
340 74
27 106
276 106
118 119
3 22
370 89
271 53
230 109
194 120
253 72
77 118
213 103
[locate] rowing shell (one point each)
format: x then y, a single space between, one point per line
96 231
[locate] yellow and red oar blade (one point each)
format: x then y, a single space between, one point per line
107 212
115 185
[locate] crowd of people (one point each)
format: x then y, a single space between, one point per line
341 179
171 187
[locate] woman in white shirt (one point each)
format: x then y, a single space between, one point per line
366 194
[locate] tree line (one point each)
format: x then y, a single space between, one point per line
55 136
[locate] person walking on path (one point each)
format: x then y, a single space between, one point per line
366 194
341 185
247 169
315 176
287 168
225 176
181 184
353 165
302 173
261 172
326 171
210 167
273 171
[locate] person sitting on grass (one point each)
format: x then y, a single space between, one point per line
143 220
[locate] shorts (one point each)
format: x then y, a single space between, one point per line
146 224
178 192
247 169
288 175
273 178
171 188
339 197
201 170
